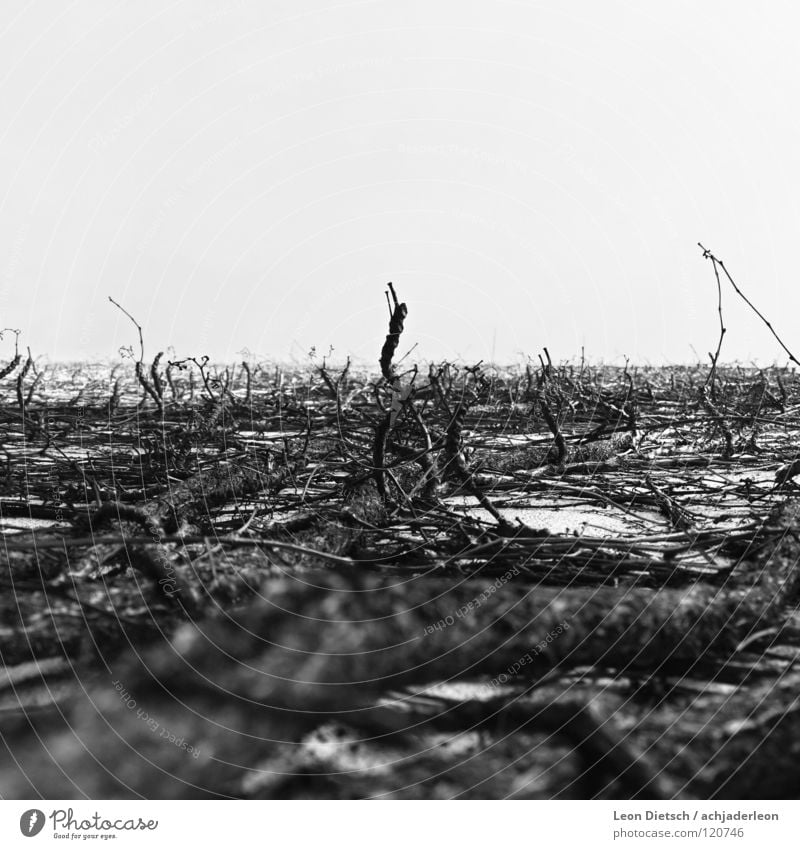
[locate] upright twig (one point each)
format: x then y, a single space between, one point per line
140 367
21 378
399 311
708 255
711 379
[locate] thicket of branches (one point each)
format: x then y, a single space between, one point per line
301 559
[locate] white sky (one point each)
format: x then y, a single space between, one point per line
250 174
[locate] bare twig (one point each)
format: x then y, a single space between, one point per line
708 255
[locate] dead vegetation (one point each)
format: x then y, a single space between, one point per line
461 581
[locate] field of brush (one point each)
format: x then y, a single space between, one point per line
561 581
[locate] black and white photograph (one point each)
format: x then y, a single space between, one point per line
399 401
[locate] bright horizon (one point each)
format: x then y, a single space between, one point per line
241 177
